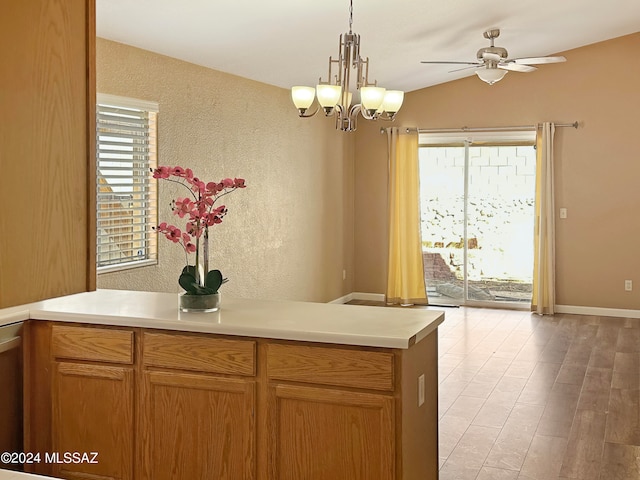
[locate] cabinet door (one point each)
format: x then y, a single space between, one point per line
321 433
197 427
93 409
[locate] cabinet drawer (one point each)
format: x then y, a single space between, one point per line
330 366
199 353
96 344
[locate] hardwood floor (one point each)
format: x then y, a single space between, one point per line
525 397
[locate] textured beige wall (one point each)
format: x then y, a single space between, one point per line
290 233
597 169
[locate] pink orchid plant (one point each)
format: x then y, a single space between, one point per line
199 210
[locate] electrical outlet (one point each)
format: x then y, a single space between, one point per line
628 285
421 390
563 213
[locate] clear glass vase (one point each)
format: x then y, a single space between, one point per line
189 301
199 303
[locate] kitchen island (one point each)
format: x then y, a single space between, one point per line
259 390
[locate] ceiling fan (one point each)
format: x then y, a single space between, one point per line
494 62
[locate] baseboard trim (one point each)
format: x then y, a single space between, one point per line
573 309
371 297
344 299
598 311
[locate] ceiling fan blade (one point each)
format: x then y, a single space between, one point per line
451 63
539 60
473 65
516 67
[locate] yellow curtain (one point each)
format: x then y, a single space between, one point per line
405 280
544 261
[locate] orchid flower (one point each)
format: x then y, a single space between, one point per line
201 212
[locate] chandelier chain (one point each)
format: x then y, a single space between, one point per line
350 15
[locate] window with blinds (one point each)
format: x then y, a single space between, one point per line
127 194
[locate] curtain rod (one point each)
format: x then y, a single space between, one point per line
491 129
480 129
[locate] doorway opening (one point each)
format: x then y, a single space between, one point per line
477 197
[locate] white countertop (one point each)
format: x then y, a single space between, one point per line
14 314
10 475
285 320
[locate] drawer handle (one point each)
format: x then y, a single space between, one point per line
10 344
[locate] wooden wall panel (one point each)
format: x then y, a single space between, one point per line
47 87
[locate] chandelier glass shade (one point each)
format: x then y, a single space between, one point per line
334 96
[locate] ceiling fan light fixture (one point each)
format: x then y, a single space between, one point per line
494 63
490 75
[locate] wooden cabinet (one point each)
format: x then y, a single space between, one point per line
321 433
197 425
200 353
162 405
328 432
92 344
93 403
352 412
93 409
366 369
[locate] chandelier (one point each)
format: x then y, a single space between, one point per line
334 96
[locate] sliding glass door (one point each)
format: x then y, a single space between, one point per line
477 207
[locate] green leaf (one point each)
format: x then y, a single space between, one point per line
190 269
202 290
188 282
214 280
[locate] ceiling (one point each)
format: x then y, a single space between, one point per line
288 42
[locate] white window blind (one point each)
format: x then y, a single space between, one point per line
126 194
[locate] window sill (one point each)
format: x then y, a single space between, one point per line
126 266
